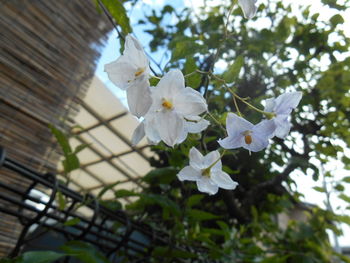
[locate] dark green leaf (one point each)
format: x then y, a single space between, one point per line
319 189
72 222
85 252
161 175
233 71
62 139
39 257
194 200
106 188
71 163
124 193
80 147
199 215
336 19
117 10
61 201
172 253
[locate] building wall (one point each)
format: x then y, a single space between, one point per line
48 52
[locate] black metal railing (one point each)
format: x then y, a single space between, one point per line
40 214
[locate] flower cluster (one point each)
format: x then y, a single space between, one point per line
171 110
242 133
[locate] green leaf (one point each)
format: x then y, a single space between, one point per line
200 215
172 253
233 71
113 205
346 179
194 200
169 206
84 252
62 139
153 81
161 175
319 189
39 257
71 163
344 219
339 187
336 19
72 222
106 188
61 200
118 12
190 67
124 193
345 197
186 47
81 147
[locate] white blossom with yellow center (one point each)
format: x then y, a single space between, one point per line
242 133
207 172
131 72
174 112
282 107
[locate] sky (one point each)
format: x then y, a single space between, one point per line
304 183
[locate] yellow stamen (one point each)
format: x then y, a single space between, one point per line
206 172
139 72
247 137
167 104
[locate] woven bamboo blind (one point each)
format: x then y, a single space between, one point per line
48 52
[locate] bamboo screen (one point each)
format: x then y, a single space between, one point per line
48 51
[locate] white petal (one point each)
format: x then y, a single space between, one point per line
193 118
170 84
217 167
182 136
138 134
139 98
286 102
189 102
150 129
190 174
265 128
223 180
210 158
121 72
282 126
257 144
196 127
135 53
169 125
260 135
236 125
248 7
206 185
196 159
270 105
232 142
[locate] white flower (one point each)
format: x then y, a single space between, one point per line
174 111
248 7
207 172
281 107
242 133
131 72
